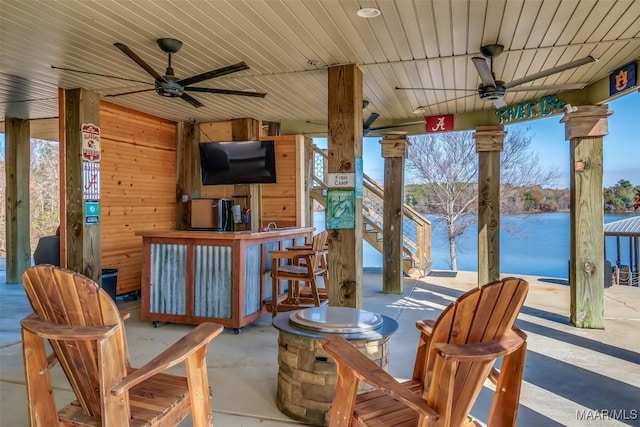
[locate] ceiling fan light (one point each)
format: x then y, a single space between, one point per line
368 12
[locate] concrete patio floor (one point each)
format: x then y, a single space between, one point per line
573 377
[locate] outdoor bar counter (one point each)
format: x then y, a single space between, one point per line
220 276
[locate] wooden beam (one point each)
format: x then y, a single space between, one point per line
489 143
62 173
585 129
394 150
345 151
83 244
186 134
17 162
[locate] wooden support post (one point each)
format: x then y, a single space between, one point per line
17 161
62 174
489 142
394 151
345 152
585 128
84 249
187 134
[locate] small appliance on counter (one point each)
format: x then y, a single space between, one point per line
223 215
212 214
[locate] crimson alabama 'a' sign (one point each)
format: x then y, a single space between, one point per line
439 123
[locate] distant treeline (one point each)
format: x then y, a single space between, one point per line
531 199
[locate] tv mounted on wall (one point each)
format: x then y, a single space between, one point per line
238 162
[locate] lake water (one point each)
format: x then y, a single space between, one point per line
532 244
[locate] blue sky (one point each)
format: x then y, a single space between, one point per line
621 147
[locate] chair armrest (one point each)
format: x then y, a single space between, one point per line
367 370
125 315
425 326
292 254
299 247
176 353
478 352
494 374
54 331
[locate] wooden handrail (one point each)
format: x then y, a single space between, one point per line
418 248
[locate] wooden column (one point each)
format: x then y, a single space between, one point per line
345 151
394 151
187 137
17 161
585 128
84 250
489 142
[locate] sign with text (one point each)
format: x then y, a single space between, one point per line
90 142
623 78
341 209
90 181
347 180
530 109
92 212
439 123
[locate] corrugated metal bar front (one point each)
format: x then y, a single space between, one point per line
168 278
252 267
213 282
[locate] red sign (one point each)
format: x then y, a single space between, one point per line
90 142
439 123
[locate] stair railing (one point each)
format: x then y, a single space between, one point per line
416 228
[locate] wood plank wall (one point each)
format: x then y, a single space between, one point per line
283 202
138 185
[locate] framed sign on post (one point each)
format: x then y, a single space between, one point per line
341 209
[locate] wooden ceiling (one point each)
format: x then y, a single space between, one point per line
289 44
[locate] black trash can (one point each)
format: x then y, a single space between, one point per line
110 281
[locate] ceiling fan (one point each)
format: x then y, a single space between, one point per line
366 124
494 90
169 85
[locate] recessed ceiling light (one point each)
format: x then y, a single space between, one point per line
368 12
420 110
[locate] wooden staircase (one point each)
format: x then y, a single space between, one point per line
416 228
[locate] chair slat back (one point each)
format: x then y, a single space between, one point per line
64 297
480 315
318 244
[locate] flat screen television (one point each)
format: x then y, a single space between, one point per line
238 162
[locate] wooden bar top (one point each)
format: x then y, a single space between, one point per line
225 235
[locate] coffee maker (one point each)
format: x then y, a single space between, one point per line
222 215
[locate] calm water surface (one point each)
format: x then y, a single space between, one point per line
533 244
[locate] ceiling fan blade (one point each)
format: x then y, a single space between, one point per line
214 73
483 71
499 103
558 88
435 88
398 125
369 121
191 100
311 122
125 49
226 91
129 93
99 75
550 71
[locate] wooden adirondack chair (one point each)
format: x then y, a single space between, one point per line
299 266
455 356
86 332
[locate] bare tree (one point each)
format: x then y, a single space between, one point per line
448 164
43 192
